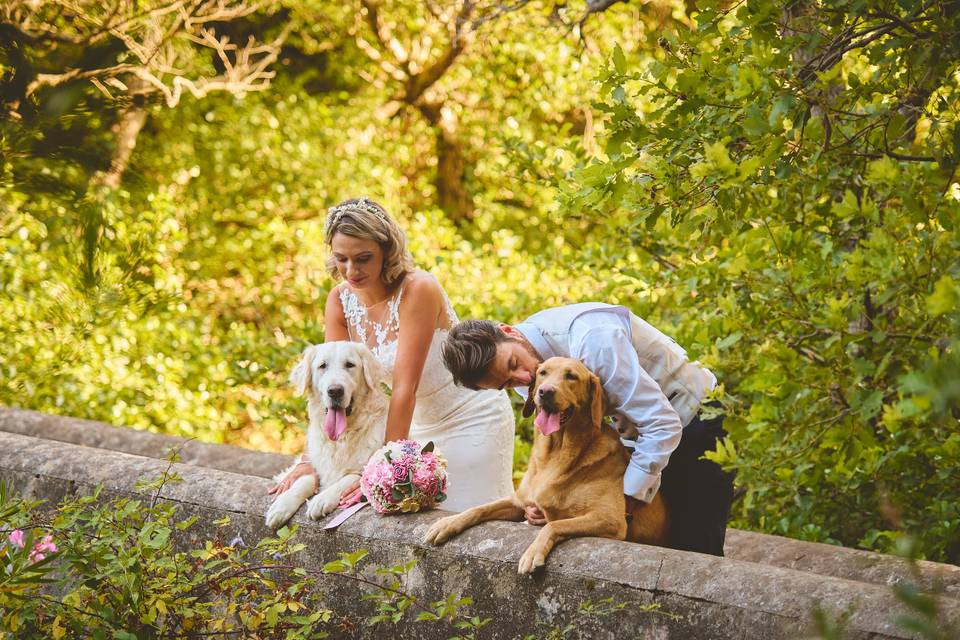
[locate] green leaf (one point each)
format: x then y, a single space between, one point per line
619 60
336 566
945 297
729 341
883 170
781 107
754 124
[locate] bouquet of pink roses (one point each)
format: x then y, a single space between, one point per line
402 476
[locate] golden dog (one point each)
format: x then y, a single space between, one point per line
575 475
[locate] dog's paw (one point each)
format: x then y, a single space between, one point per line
280 512
442 530
323 504
531 560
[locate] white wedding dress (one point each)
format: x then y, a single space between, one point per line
473 430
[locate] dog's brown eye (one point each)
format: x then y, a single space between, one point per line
542 372
349 365
323 365
570 376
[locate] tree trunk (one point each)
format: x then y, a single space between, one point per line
452 194
128 127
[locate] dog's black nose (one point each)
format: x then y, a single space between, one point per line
335 391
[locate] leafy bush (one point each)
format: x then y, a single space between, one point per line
780 187
119 569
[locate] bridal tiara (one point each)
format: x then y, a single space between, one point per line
362 203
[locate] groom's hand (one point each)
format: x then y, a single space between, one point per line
534 516
301 469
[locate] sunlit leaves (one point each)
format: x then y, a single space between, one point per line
809 223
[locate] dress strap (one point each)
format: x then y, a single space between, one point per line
393 305
451 314
354 313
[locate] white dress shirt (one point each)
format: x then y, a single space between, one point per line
646 375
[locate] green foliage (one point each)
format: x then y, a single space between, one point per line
118 574
123 569
790 174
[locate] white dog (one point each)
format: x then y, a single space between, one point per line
342 381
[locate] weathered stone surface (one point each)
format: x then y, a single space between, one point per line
841 562
822 559
142 443
699 596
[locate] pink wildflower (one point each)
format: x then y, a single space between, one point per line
16 538
41 548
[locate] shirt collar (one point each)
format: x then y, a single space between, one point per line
536 339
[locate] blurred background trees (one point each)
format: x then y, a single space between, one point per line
775 186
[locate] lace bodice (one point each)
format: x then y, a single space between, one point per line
377 333
378 326
437 395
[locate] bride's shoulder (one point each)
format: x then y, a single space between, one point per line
423 282
421 287
335 295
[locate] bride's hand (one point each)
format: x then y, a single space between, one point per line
351 495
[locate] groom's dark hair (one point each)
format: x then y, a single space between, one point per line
469 350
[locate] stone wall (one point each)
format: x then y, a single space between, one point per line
765 588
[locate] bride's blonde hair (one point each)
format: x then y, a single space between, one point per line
363 218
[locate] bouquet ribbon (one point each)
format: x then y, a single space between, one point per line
341 517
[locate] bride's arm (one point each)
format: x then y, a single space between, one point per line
334 322
419 308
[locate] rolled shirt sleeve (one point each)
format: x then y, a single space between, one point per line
609 353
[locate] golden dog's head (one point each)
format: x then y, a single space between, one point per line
562 388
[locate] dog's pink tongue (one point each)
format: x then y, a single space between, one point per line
547 422
335 424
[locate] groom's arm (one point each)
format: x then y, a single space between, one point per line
608 352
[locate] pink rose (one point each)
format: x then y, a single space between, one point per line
401 469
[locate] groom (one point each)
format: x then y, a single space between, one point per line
650 385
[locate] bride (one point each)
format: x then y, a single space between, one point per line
403 315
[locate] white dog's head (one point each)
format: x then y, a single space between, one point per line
335 374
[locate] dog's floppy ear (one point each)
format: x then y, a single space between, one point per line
301 377
528 406
373 371
596 401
